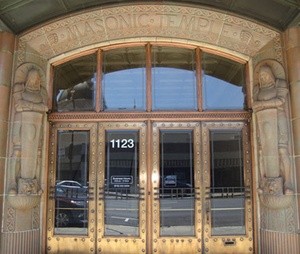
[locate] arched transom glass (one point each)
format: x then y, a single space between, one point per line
149 78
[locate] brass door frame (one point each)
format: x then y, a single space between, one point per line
123 244
227 244
149 240
176 244
76 243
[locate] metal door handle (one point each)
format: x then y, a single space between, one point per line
207 211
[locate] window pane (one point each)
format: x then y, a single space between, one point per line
71 189
177 199
227 184
122 182
74 85
173 79
223 83
124 79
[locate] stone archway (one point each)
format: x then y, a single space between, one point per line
135 23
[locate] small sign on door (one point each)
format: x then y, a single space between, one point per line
121 181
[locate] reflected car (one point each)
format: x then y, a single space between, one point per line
71 204
70 184
70 188
71 212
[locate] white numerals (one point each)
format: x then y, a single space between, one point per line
122 143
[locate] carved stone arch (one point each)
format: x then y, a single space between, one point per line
146 22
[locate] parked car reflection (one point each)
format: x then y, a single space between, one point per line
69 185
71 204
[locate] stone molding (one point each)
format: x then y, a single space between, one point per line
70 116
143 21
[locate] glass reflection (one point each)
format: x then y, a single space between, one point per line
177 201
223 83
124 79
71 189
122 184
227 186
74 85
173 79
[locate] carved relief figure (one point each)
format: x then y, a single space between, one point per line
270 101
30 107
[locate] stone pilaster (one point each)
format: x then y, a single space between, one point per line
292 41
21 222
277 241
7 46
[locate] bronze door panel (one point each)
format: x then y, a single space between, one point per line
150 187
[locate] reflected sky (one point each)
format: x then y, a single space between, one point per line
125 90
219 94
172 89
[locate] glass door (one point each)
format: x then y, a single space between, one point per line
228 225
176 186
121 193
154 187
71 188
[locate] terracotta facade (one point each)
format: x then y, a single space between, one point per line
275 166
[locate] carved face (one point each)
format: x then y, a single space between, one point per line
266 77
33 81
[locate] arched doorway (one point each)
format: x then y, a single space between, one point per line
146 156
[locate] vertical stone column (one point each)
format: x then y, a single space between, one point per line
292 42
21 222
292 47
7 45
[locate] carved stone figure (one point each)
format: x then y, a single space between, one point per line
269 106
30 107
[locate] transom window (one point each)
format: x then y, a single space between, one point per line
149 78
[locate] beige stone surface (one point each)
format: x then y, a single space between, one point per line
142 20
296 131
292 38
292 42
4 103
293 55
295 99
6 60
297 164
7 41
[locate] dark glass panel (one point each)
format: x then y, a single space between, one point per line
124 79
122 183
223 83
177 201
173 79
71 189
227 184
74 85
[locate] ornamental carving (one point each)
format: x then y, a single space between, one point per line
29 108
132 22
270 97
